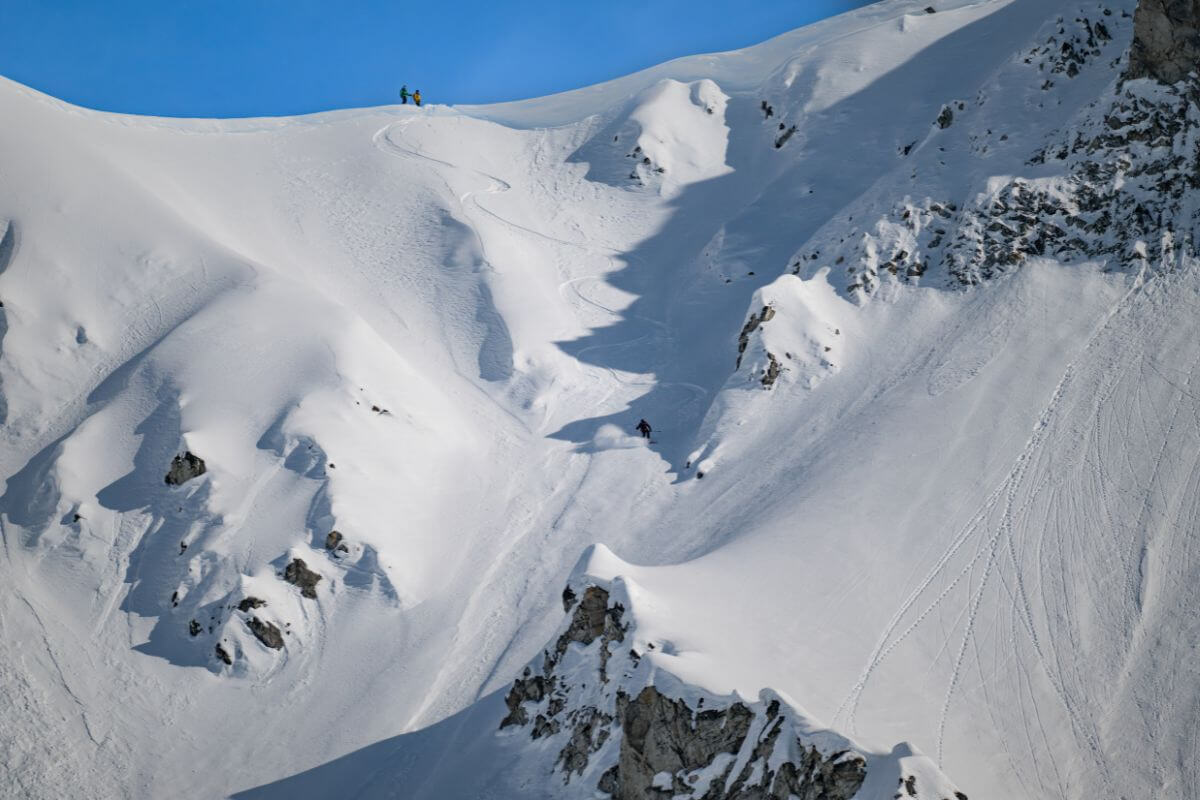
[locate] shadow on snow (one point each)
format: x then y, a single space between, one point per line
682 329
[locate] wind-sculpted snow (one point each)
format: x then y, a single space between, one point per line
673 135
305 421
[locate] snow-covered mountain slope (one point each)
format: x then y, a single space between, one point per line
307 422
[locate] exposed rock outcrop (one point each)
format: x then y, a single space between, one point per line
223 655
750 327
1124 180
249 603
622 725
1114 187
785 133
593 620
298 574
184 468
266 633
529 688
335 543
664 735
1166 40
771 372
661 734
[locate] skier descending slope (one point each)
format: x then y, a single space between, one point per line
643 428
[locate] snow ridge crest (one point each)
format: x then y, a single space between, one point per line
610 716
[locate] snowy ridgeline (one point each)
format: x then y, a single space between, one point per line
304 421
631 727
598 713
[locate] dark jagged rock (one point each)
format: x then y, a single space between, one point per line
750 327
249 603
642 734
835 777
194 628
298 574
334 543
1166 40
946 118
593 619
223 655
1126 178
590 729
589 619
542 726
661 734
184 468
1113 188
1121 171
771 373
266 633
526 689
608 781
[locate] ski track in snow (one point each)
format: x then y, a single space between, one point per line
1007 490
1006 513
385 139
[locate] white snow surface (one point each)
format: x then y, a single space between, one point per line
960 524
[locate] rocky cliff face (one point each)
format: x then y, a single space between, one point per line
1166 40
615 722
1113 186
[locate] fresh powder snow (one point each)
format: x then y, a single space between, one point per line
321 476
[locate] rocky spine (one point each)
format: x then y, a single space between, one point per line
619 724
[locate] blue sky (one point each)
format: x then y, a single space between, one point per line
230 58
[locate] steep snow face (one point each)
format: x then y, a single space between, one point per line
909 308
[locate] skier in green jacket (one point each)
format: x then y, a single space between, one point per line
404 95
